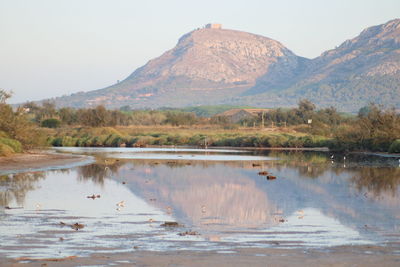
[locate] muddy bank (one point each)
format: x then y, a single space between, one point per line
39 160
336 256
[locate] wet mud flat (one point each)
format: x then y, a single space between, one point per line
335 256
162 208
40 160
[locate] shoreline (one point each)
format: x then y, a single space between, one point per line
363 255
357 255
38 160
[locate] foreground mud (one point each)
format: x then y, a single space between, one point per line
337 256
33 160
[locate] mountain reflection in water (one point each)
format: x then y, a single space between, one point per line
313 201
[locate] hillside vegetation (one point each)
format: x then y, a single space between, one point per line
373 129
228 67
17 132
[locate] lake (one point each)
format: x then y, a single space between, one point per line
221 200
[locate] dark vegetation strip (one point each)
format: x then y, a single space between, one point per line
32 125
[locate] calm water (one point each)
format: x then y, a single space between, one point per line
313 202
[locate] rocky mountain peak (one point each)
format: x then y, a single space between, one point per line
387 34
216 55
213 65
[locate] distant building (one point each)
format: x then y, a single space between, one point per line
213 26
238 114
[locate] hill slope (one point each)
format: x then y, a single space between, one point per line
361 70
204 67
217 66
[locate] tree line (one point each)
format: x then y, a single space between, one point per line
373 128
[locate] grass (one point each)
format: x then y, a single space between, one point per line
193 136
9 146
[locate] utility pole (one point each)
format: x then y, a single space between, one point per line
262 120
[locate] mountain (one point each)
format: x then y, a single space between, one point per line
361 70
212 66
206 66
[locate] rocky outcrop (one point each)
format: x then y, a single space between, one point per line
204 59
361 70
216 66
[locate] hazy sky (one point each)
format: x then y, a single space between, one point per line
54 47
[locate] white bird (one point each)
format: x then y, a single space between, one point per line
121 204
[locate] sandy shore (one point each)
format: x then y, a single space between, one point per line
34 160
337 256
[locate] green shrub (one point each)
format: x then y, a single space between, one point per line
14 144
68 141
51 123
57 141
5 150
3 134
162 140
83 141
98 140
109 141
144 140
395 147
118 141
278 140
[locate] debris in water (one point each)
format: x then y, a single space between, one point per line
121 204
256 164
93 196
203 209
171 224
188 233
12 208
75 226
169 210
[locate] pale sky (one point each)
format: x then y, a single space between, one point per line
50 48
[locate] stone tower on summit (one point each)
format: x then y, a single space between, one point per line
213 26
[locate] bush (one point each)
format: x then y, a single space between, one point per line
68 141
13 144
395 147
51 123
5 150
98 140
56 141
144 140
3 134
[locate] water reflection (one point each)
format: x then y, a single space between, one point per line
213 197
313 202
97 172
378 181
14 187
